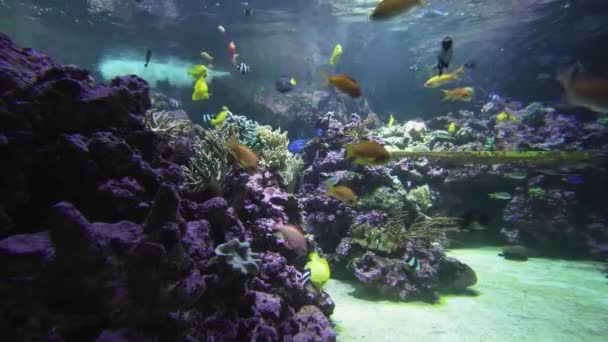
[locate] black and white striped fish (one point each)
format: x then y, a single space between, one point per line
412 261
305 277
242 67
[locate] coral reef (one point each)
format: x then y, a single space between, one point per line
101 237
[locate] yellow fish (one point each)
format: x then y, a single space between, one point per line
201 91
335 56
220 117
198 71
391 120
452 128
438 80
293 81
319 270
504 116
459 94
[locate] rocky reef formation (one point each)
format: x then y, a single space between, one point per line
551 208
372 240
104 239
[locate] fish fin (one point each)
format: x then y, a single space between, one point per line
491 195
458 71
350 78
331 181
423 3
446 95
350 154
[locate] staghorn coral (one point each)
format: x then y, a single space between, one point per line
163 121
210 162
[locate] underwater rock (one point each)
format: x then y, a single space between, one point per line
393 278
26 254
514 252
455 275
311 325
414 129
533 114
97 239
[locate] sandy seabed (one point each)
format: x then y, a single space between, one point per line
536 300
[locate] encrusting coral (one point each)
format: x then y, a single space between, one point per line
239 257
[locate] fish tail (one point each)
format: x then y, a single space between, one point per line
459 71
350 154
446 96
492 196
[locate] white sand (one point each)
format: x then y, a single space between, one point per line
536 300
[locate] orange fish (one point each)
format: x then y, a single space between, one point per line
293 237
367 153
342 193
345 84
245 158
387 9
459 94
585 90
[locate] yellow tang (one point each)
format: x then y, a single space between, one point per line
293 81
452 128
504 116
319 270
391 120
201 91
335 56
220 117
197 71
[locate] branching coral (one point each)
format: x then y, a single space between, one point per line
210 162
536 192
357 130
392 235
164 122
425 231
294 165
274 155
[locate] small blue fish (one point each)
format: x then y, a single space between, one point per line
297 146
573 179
319 132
